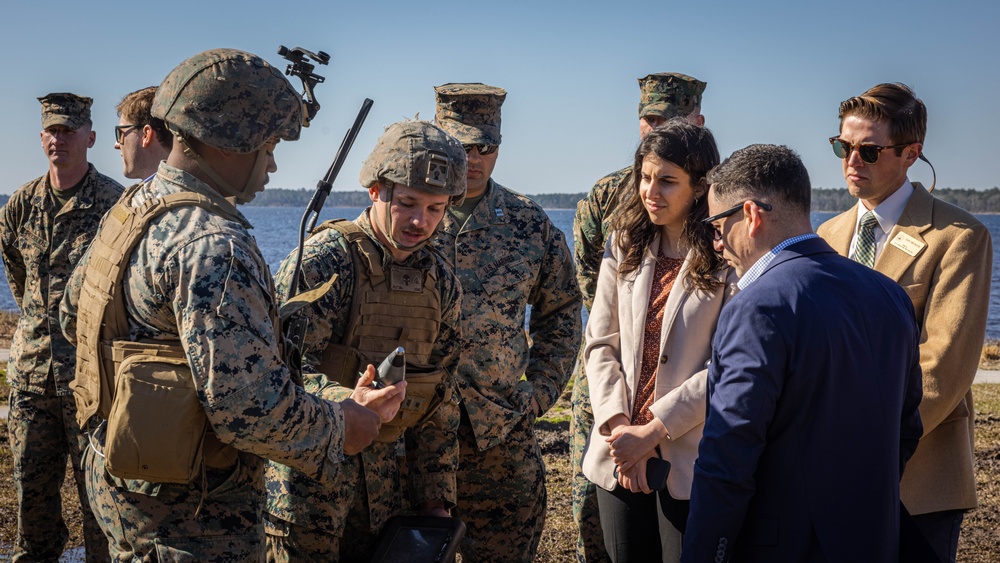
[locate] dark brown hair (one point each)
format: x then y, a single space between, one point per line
895 104
692 149
135 107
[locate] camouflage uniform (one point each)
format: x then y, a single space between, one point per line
508 256
368 488
41 244
198 277
663 95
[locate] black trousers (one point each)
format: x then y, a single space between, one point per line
636 527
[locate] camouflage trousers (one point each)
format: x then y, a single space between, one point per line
338 523
590 542
501 495
43 434
215 519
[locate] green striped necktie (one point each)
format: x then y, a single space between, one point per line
865 251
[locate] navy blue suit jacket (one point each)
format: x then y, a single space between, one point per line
813 392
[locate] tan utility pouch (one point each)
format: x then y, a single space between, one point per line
342 364
156 428
426 390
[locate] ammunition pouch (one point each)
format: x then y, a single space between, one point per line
157 429
426 388
425 392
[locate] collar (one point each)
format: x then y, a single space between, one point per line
888 212
764 261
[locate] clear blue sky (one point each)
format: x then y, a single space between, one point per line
776 72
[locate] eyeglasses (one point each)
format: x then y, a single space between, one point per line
483 149
121 131
868 153
717 235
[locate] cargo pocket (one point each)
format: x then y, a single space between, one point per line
156 429
243 547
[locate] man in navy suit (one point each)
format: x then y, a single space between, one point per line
813 386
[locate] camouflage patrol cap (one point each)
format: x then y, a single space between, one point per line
230 100
669 94
418 154
470 112
63 108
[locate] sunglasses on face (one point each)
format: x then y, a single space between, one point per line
717 234
483 149
121 131
868 153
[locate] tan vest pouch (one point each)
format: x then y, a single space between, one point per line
425 392
342 364
157 427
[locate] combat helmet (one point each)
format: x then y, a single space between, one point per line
233 101
421 156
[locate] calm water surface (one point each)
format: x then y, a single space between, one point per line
276 230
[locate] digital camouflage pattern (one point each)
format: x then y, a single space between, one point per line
470 112
502 495
229 99
40 245
225 528
591 228
199 278
669 94
67 109
508 256
420 155
378 483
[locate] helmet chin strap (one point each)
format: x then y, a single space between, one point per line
225 188
387 186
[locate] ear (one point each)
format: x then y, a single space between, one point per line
753 218
148 136
373 191
92 137
912 152
699 121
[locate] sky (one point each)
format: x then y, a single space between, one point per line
776 73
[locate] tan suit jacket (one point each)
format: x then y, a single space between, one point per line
947 274
613 354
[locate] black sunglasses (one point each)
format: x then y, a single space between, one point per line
868 153
483 149
121 131
717 235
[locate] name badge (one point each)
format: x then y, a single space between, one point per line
907 244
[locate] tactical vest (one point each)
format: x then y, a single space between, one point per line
392 306
157 430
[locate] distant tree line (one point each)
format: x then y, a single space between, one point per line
974 201
823 199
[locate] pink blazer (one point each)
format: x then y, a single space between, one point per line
613 358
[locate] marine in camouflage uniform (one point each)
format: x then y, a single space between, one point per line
307 520
509 256
45 228
197 278
663 96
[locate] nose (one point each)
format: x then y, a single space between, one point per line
717 242
473 155
854 159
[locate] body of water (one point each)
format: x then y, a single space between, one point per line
276 230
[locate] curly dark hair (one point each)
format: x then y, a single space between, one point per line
692 149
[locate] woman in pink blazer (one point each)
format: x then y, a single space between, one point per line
659 293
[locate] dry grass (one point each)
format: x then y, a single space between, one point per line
8 322
990 358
